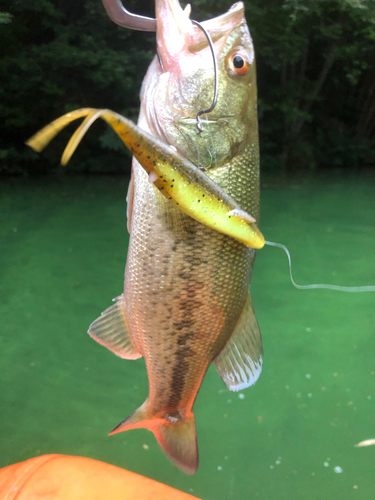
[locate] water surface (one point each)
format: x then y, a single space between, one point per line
63 246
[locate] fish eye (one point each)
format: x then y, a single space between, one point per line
238 64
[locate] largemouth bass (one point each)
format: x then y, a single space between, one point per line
186 301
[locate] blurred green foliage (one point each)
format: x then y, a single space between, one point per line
316 79
59 55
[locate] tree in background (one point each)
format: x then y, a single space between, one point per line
322 56
316 79
61 55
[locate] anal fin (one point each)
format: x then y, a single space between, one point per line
240 362
110 330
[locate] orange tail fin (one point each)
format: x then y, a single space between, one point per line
177 437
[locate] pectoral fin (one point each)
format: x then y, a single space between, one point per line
240 362
111 331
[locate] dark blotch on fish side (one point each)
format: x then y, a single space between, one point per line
179 372
181 341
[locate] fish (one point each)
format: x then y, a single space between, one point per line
186 302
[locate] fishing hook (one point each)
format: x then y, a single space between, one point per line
160 60
117 12
211 108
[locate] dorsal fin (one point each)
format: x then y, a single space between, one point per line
240 362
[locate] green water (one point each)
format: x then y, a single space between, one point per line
62 254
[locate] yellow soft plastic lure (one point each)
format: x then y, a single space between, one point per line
177 179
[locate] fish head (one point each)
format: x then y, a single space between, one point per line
182 83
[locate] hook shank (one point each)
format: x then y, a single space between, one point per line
214 101
117 12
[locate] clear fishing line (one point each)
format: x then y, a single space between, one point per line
338 288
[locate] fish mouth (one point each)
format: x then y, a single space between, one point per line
206 118
176 33
219 26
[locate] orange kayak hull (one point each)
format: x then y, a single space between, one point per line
62 477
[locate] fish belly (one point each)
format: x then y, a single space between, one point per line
185 288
